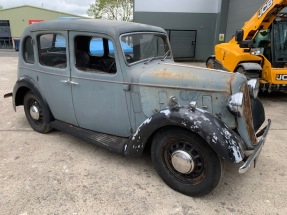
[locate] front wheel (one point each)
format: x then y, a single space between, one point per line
36 113
185 162
210 63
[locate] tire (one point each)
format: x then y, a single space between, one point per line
208 167
36 113
210 63
249 74
241 70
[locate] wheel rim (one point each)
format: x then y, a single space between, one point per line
35 112
182 161
185 161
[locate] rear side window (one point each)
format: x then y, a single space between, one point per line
28 53
52 50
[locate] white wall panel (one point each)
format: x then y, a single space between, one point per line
178 6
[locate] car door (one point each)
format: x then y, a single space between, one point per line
54 74
99 95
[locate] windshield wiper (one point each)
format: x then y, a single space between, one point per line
149 60
165 55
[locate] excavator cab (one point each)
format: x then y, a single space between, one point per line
259 49
279 44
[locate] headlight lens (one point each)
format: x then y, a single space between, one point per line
255 51
235 104
253 86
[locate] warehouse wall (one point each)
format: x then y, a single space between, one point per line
20 16
203 16
239 12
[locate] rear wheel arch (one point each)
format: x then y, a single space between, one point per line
25 85
20 94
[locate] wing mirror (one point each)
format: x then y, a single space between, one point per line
239 35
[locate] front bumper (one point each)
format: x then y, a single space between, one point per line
257 149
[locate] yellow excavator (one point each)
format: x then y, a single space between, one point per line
259 49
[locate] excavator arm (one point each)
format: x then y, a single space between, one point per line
263 18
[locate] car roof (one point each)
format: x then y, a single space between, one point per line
110 27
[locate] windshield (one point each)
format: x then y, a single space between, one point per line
280 42
144 47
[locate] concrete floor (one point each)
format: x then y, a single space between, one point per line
59 174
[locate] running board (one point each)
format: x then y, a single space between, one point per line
109 142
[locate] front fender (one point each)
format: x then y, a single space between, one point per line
223 140
250 66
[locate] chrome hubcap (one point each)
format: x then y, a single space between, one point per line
182 162
34 112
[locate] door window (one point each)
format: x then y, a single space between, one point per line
95 54
52 50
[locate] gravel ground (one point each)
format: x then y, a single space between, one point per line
59 174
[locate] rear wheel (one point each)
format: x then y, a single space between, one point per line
210 63
36 113
186 162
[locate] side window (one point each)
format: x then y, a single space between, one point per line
52 50
28 52
95 54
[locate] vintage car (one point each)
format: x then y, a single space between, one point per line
115 84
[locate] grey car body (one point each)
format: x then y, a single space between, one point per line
130 100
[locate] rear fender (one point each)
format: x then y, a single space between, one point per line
223 140
21 87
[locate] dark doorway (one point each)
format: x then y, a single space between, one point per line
5 35
183 43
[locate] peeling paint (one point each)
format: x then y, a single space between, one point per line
166 112
223 140
183 123
165 73
214 138
147 121
227 133
205 118
235 151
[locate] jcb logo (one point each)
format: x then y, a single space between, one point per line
281 77
264 8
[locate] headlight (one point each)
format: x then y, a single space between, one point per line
235 104
253 86
255 51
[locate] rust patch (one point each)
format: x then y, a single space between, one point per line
230 81
248 115
165 73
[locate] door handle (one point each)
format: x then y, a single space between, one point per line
69 82
65 81
126 87
75 83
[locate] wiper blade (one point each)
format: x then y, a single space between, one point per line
149 60
165 55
